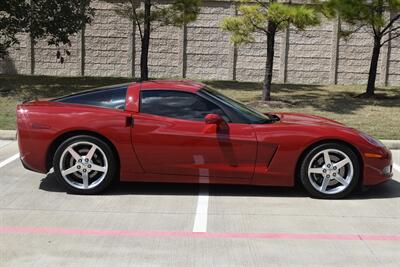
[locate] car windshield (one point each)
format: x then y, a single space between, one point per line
250 114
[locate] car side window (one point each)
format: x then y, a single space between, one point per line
109 98
179 105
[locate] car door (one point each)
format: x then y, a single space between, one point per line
170 137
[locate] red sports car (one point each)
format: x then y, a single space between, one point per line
186 132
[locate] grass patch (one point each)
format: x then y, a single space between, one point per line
379 117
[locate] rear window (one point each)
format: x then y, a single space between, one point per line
108 98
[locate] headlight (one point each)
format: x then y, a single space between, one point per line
372 140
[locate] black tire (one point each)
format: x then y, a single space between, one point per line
110 157
305 179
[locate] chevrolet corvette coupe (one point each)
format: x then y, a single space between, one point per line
187 132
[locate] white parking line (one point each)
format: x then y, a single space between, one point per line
200 220
9 160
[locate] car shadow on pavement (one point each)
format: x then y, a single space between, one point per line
389 189
193 189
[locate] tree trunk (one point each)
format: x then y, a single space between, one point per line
144 68
373 67
270 61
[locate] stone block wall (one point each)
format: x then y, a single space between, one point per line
164 59
251 59
309 55
354 58
200 50
107 43
19 58
394 61
208 48
46 62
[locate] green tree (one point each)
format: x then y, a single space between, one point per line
176 13
267 18
368 14
13 14
54 20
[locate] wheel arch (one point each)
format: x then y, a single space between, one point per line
320 142
64 136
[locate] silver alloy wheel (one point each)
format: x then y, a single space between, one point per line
330 171
83 165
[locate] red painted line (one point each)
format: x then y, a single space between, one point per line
127 233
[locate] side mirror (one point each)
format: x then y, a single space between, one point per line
220 127
213 119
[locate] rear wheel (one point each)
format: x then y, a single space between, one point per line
84 164
330 170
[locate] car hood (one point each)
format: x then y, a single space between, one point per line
304 119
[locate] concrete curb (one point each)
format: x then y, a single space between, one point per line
8 135
391 144
11 135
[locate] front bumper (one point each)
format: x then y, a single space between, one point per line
378 170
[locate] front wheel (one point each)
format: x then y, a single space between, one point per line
84 164
330 170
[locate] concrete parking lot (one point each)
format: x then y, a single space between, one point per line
140 224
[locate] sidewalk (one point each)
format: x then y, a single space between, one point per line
11 135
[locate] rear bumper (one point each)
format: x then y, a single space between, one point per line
26 166
33 150
32 146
